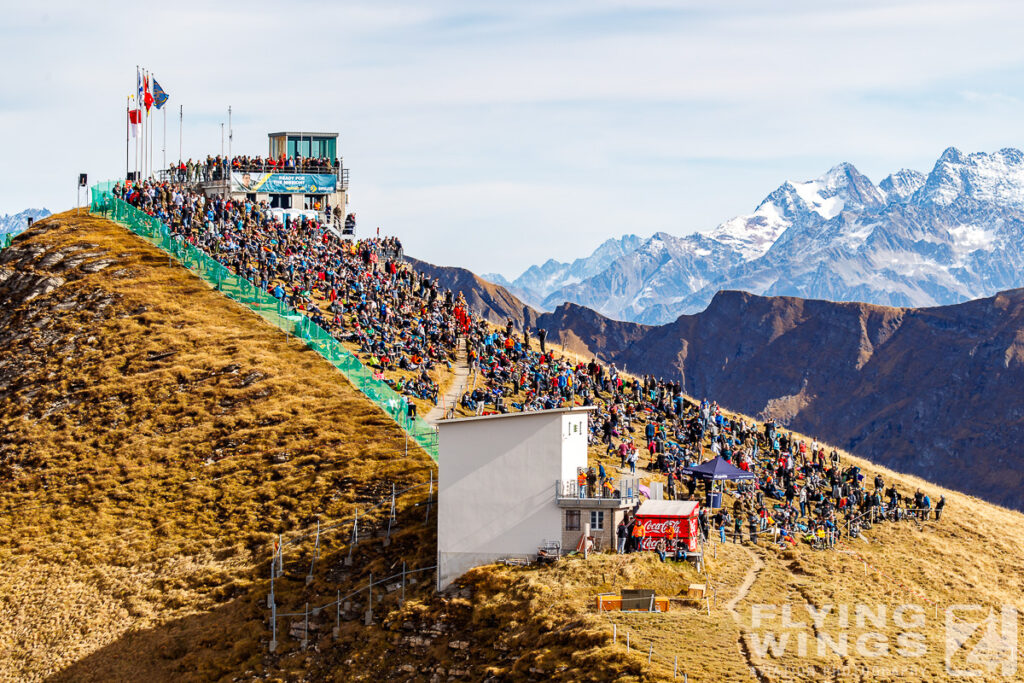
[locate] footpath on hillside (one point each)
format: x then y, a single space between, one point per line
451 397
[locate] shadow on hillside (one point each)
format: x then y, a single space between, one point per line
231 640
198 647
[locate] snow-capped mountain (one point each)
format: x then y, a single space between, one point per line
17 222
538 281
954 234
662 271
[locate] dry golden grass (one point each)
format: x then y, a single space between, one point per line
155 440
141 492
972 556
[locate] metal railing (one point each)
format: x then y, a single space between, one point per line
628 491
302 566
221 173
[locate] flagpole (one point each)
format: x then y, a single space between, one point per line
145 134
181 116
138 82
145 123
149 131
165 136
127 125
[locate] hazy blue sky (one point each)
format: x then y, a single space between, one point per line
497 135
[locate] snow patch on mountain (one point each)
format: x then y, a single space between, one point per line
900 185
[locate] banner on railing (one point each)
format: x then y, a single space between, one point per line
283 183
275 312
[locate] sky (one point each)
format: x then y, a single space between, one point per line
494 136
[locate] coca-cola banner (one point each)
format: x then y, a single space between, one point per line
685 528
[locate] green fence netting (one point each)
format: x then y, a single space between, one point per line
5 240
276 312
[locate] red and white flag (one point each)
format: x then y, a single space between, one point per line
134 119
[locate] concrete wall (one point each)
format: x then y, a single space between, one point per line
496 485
606 538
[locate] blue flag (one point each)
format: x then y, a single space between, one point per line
159 96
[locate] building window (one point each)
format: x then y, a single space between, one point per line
597 520
572 520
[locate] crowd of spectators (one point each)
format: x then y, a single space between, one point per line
363 293
801 490
217 167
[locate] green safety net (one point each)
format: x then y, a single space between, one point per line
274 311
5 240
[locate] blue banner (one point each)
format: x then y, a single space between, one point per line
284 183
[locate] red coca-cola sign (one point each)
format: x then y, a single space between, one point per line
685 529
660 527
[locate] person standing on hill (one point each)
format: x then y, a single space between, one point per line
639 531
542 336
938 507
622 534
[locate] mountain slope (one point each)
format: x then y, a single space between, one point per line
929 391
155 438
926 391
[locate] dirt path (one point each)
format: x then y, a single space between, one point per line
456 388
741 592
748 581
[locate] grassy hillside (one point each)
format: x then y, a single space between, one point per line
155 438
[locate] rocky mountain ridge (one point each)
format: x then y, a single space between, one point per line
928 391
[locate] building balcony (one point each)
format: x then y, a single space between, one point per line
626 493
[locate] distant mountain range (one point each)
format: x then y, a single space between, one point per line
17 222
913 240
927 391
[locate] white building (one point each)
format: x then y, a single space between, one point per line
504 481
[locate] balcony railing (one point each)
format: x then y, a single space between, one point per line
626 491
220 172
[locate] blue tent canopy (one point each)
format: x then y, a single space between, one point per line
718 470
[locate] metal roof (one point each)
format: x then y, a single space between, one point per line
528 413
668 508
305 134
